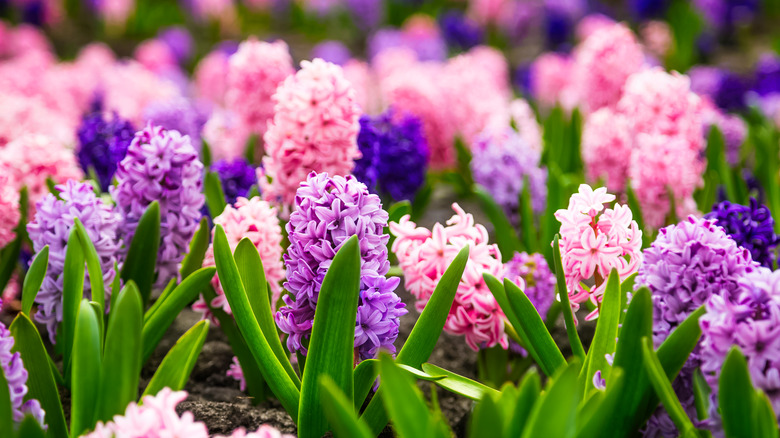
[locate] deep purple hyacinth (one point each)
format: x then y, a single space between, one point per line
180 114
103 142
749 319
16 375
500 161
686 265
731 92
52 225
460 32
767 75
647 9
366 14
161 166
751 227
327 211
395 154
237 177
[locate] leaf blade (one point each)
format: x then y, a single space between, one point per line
34 279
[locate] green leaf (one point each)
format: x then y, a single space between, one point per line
563 293
559 402
9 256
86 371
364 377
273 371
499 293
6 408
486 419
155 326
398 210
506 238
250 267
529 235
331 346
636 209
198 247
215 196
422 198
701 395
735 396
72 294
251 144
556 199
34 279
205 153
425 333
339 412
626 287
528 393
598 424
764 417
93 263
532 325
458 384
40 381
405 403
122 357
605 338
141 260
176 366
422 375
664 390
30 428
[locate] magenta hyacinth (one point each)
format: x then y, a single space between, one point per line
16 376
161 166
52 225
327 211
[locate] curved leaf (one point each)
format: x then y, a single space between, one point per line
141 260
364 377
404 403
735 396
198 247
339 411
529 236
458 384
499 293
93 263
563 293
764 417
85 376
176 366
605 338
215 196
72 294
558 402
34 279
664 390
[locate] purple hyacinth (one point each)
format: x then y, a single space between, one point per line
16 375
749 319
751 227
180 114
539 280
161 166
705 80
327 211
103 142
730 95
179 40
686 265
429 47
459 31
499 163
366 14
52 226
726 15
332 51
767 75
395 154
648 9
237 177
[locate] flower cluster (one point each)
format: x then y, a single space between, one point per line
539 280
161 166
750 319
103 142
315 128
394 154
751 227
606 144
237 178
594 241
178 114
156 417
52 226
254 72
501 159
16 376
424 255
327 211
9 210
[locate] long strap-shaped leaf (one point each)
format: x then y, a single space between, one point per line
72 294
424 335
273 371
458 384
340 413
86 371
735 396
605 338
563 293
141 259
40 380
559 402
34 279
331 346
175 369
404 402
198 247
506 237
93 264
215 196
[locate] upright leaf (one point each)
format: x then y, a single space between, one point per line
499 293
664 390
215 196
528 393
30 428
486 419
72 294
529 233
559 402
198 247
93 263
605 338
404 403
175 369
6 408
86 371
735 396
339 411
34 279
563 293
764 417
141 259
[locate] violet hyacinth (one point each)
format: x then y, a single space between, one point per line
161 166
686 265
751 227
460 31
538 278
327 211
52 225
237 178
394 154
178 114
16 375
103 142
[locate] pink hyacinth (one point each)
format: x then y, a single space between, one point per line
257 221
226 134
595 240
129 87
9 210
606 148
29 114
658 38
314 128
524 120
210 76
254 73
359 74
156 56
603 63
551 80
591 24
424 255
31 159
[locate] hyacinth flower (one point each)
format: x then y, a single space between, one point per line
103 142
237 177
52 225
161 166
314 128
595 240
424 254
751 227
9 210
16 375
179 114
680 282
394 154
327 211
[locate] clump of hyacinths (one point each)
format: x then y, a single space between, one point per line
236 176
103 142
751 227
594 240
